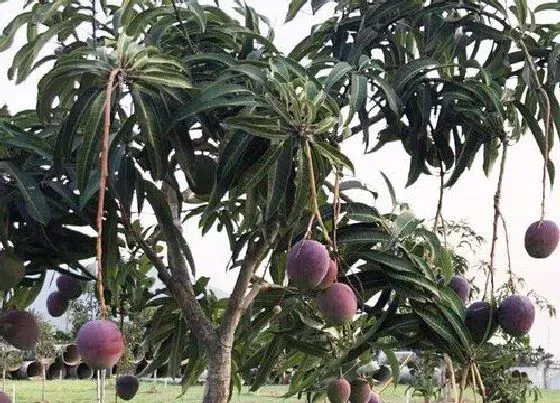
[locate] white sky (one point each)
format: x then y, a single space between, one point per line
470 199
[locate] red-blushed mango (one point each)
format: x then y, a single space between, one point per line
20 329
308 263
374 397
57 304
338 304
4 398
127 386
330 277
541 239
100 344
360 391
338 391
516 315
480 317
461 287
70 287
12 270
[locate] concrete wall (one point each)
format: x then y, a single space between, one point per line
537 376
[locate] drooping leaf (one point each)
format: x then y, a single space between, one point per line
35 202
293 8
279 177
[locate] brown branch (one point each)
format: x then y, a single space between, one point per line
449 365
255 290
510 270
256 252
103 174
181 289
440 204
546 108
473 380
309 226
497 198
391 379
480 383
463 382
336 205
387 384
309 158
546 156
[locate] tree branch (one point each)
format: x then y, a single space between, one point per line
255 290
178 282
238 300
497 197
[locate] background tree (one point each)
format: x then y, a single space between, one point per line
158 88
10 359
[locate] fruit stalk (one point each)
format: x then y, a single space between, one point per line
314 191
546 107
510 271
440 205
336 204
104 173
546 157
497 198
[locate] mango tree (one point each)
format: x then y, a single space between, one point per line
165 105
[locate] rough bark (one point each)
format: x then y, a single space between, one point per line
218 342
219 375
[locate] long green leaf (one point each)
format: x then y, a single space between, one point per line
90 140
293 8
333 155
279 177
35 202
148 120
65 138
359 234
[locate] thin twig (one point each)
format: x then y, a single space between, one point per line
439 208
546 107
387 384
336 205
463 382
391 379
183 29
473 380
449 364
103 174
497 198
480 383
510 270
255 289
546 156
94 25
314 191
309 227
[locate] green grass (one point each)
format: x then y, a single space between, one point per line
70 391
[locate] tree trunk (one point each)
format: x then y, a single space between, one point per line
219 376
44 375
